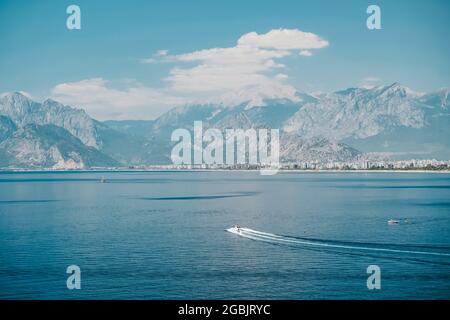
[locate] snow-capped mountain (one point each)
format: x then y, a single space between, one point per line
358 113
345 121
356 123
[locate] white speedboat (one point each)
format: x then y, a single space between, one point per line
392 221
235 229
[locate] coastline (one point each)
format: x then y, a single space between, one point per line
100 170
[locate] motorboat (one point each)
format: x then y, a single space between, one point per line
392 221
235 229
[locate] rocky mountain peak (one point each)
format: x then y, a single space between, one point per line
23 111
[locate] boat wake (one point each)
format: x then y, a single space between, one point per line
330 244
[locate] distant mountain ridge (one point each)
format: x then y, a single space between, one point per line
346 125
358 119
358 113
50 146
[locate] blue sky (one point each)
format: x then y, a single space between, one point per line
111 67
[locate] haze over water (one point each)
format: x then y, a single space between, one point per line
161 235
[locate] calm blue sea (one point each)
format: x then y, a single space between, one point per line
161 235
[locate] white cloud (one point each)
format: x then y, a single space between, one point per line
224 69
257 94
102 101
371 79
281 76
248 72
252 63
283 39
370 82
305 53
158 56
162 52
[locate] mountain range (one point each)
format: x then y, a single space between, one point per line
357 123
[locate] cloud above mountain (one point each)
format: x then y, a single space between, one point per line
224 69
105 100
248 72
253 62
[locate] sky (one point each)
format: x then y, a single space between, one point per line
136 59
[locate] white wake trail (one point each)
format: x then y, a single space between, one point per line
273 238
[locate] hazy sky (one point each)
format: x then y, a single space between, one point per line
136 59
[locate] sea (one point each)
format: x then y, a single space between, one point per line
163 235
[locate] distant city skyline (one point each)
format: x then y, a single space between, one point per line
136 60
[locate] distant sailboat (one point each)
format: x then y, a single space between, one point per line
103 180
